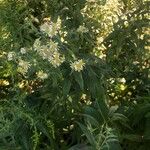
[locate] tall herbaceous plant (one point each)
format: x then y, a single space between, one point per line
63 81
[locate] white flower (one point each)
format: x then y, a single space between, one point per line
111 80
44 52
53 46
50 28
37 44
82 29
78 65
23 51
122 80
57 60
50 52
46 28
10 56
23 66
42 75
135 62
100 40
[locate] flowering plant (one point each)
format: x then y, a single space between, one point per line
71 73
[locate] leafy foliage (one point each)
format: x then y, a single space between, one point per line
74 75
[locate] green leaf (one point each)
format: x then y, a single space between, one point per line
102 109
91 120
66 86
90 111
79 79
88 134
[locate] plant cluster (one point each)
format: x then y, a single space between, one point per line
74 75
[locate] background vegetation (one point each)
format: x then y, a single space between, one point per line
74 75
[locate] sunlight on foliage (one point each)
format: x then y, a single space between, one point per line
74 75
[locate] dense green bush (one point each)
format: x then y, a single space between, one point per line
74 75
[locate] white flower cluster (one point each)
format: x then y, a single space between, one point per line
78 65
57 59
37 44
50 28
82 29
23 66
49 52
42 75
122 80
11 56
23 51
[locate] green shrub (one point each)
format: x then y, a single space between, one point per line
74 75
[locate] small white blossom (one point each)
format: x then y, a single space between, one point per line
42 75
100 40
53 46
23 51
51 28
47 51
82 29
44 52
46 28
136 62
111 80
37 44
57 60
122 80
10 56
50 53
78 65
23 66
